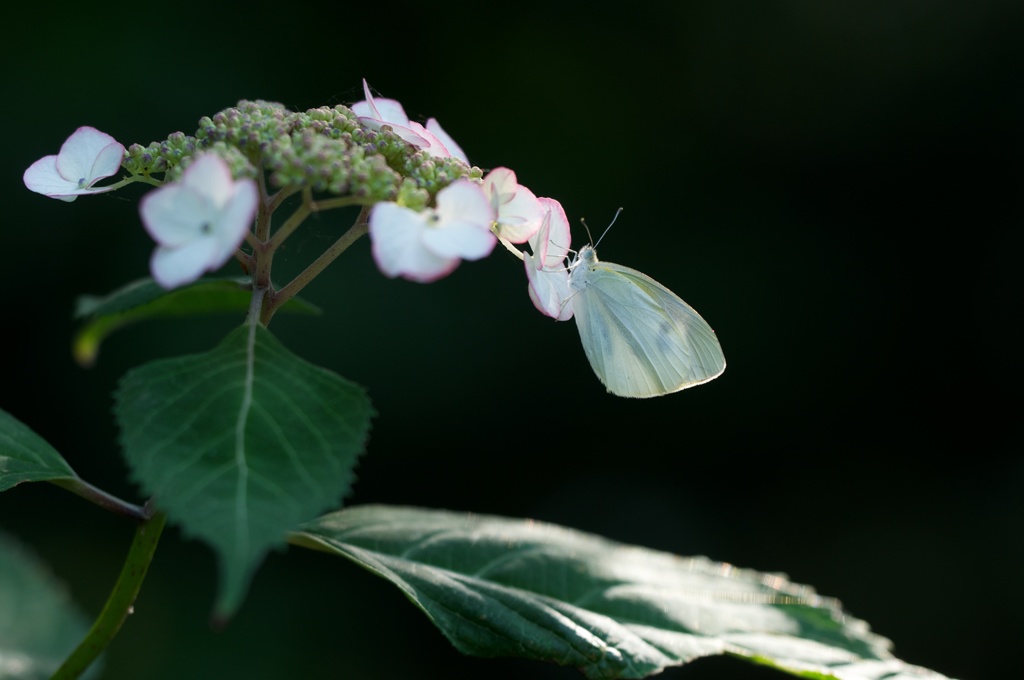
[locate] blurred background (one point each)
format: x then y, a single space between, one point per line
836 187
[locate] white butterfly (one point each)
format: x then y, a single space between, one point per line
641 339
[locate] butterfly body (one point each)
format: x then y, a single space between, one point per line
641 339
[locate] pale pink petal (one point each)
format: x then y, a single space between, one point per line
558 237
199 221
500 185
464 201
463 224
364 110
86 157
395 233
464 240
432 145
426 246
524 207
403 132
89 155
174 216
173 267
519 213
366 107
108 162
369 98
546 271
375 113
389 111
209 176
42 177
539 242
236 218
520 218
453 149
549 290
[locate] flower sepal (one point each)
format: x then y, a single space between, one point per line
86 157
199 221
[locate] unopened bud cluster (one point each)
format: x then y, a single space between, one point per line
325 149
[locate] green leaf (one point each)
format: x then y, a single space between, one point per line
241 444
26 457
507 587
39 626
145 299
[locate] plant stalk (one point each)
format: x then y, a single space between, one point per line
275 300
101 498
119 604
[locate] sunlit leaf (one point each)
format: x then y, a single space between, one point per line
508 587
26 457
145 299
241 444
39 625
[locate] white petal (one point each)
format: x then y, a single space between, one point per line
464 218
549 290
209 176
386 111
404 133
395 232
391 112
89 155
520 218
108 162
382 111
235 219
519 213
464 240
174 215
559 236
198 221
42 177
173 267
500 185
432 145
364 110
464 201
205 205
454 149
369 100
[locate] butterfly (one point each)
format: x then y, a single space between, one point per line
641 339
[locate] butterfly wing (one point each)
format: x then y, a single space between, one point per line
641 339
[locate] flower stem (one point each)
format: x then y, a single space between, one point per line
511 248
292 223
132 179
102 498
275 300
274 201
119 604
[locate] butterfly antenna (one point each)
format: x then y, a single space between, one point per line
606 229
590 238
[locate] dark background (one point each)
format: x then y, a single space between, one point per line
835 186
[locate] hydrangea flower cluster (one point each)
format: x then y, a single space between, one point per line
424 206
